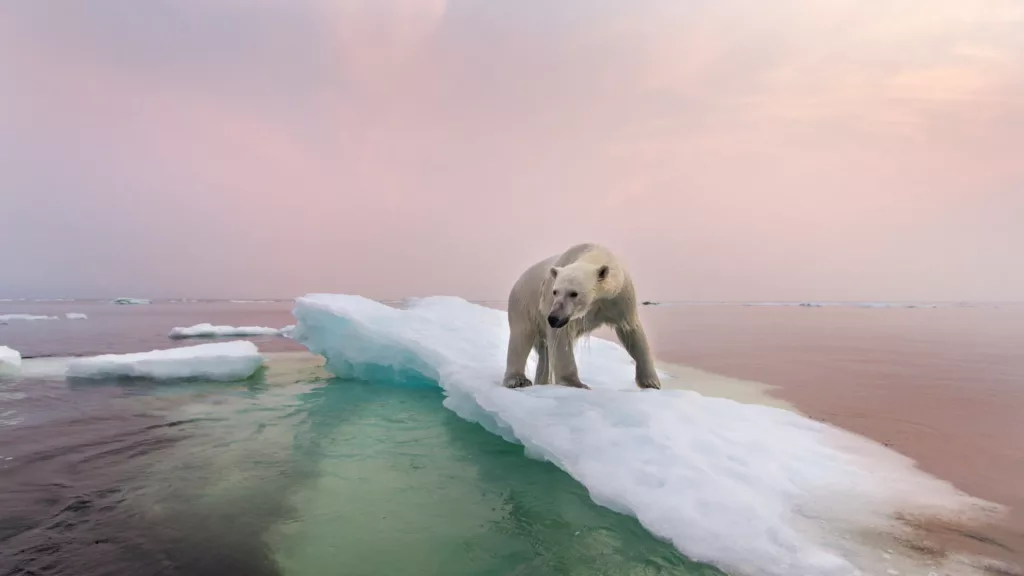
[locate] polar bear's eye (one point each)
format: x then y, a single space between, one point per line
573 294
555 292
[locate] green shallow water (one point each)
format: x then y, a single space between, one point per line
367 478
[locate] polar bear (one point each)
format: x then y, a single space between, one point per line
566 296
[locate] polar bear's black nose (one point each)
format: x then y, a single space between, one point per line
556 322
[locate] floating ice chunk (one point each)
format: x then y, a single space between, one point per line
288 330
223 361
76 316
10 361
9 317
752 489
210 331
130 301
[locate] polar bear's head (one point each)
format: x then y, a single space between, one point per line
573 289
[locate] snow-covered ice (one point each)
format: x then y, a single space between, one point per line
755 490
210 331
130 301
10 361
223 361
76 316
9 317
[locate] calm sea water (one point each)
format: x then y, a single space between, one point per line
297 473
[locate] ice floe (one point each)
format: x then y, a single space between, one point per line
753 489
211 331
131 301
9 317
222 361
10 361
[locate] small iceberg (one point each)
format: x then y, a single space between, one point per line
76 316
9 317
752 489
211 331
129 301
221 361
10 361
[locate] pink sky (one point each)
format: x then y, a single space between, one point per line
727 150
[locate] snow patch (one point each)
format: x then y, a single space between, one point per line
221 361
755 490
211 331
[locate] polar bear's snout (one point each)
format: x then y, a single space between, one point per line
557 321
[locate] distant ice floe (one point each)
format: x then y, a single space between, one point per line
131 301
754 490
251 301
10 317
76 316
212 331
221 361
10 361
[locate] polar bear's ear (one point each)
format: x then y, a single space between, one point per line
602 273
553 271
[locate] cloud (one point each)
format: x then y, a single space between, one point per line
822 148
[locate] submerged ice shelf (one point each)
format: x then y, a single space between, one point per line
752 489
221 361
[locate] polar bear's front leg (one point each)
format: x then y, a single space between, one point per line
563 359
543 375
520 342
